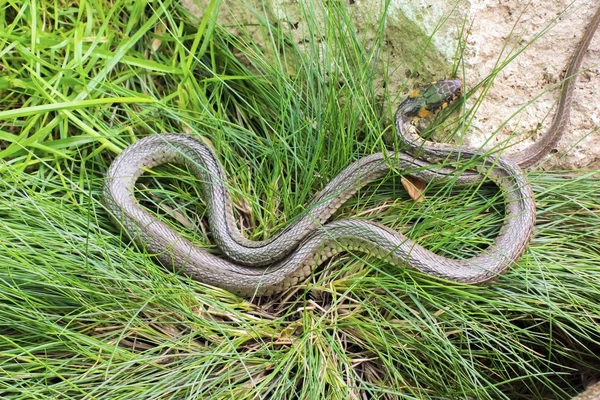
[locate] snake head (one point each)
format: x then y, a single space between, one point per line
426 100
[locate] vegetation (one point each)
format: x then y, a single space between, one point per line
86 314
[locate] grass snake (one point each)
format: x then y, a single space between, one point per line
257 268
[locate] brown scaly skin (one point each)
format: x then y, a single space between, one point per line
292 255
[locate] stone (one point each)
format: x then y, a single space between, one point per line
591 393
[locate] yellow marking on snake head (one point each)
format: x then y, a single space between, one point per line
423 112
415 93
444 105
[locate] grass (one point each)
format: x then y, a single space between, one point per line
85 314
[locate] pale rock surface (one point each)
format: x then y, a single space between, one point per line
491 31
591 393
538 68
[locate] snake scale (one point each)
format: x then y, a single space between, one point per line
267 267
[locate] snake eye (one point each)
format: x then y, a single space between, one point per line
437 95
429 99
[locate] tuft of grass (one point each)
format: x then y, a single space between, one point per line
85 314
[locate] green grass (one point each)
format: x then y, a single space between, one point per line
85 314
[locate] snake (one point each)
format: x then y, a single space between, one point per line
261 268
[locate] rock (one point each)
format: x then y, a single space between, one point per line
591 393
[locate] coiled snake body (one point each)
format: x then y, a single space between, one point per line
263 268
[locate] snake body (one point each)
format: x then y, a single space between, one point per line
271 266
